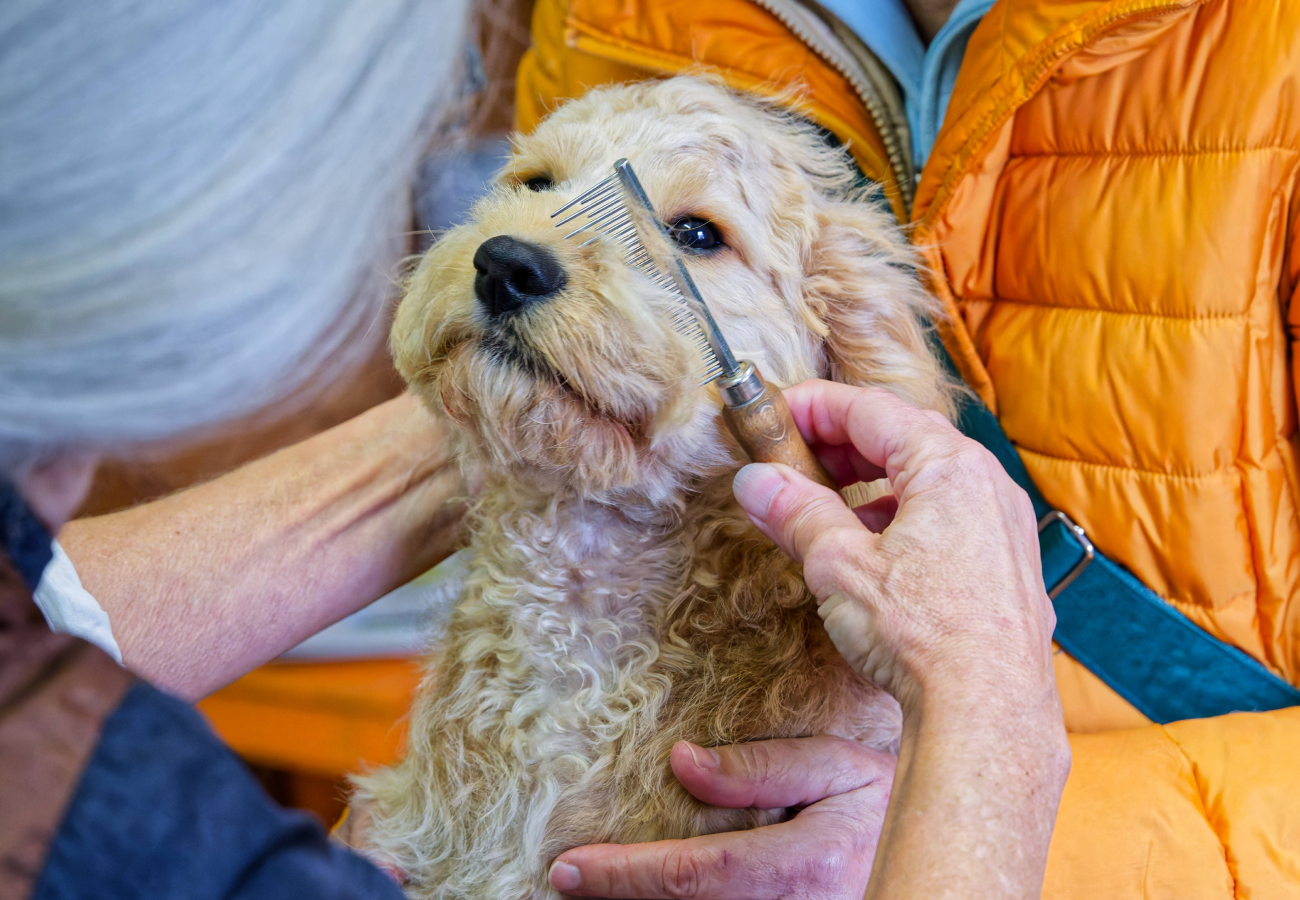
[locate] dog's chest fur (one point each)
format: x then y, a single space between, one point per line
589 640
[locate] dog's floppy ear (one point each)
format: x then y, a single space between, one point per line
862 284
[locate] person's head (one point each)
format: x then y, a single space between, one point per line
201 202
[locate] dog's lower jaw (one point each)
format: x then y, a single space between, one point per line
584 647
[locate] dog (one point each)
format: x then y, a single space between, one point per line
618 600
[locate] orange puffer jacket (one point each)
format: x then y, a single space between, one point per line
1111 205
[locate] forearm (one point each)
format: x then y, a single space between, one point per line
211 582
979 779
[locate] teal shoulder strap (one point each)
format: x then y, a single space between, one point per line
1123 632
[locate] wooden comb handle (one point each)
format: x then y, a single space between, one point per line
762 423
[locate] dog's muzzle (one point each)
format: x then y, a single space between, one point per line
513 274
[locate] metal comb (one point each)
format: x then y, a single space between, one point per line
608 215
619 210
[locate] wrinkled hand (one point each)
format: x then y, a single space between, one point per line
933 591
824 852
935 586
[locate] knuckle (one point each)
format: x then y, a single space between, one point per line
936 418
883 763
836 543
799 512
837 559
682 874
755 759
1024 506
971 458
971 467
935 424
862 765
611 874
956 463
826 869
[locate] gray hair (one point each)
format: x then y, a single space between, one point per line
193 193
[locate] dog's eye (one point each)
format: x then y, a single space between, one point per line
696 234
539 183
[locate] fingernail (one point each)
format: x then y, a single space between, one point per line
826 606
704 757
564 877
756 486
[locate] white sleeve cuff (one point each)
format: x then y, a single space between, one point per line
70 609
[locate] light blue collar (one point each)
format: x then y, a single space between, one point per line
925 74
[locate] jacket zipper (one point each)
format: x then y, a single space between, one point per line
796 17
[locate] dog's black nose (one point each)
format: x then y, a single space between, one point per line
513 274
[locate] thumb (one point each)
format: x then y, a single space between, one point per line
790 509
780 772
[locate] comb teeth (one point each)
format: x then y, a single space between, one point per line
605 215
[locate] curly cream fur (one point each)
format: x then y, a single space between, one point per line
619 600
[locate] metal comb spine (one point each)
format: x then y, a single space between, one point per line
685 283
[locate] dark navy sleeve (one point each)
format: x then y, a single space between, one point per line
166 810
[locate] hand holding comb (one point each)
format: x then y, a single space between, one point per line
755 412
